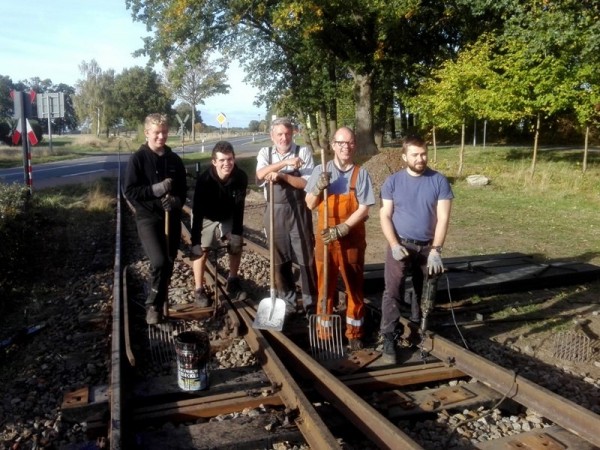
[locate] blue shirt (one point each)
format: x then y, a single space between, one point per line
415 202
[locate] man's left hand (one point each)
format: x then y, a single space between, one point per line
435 266
334 233
235 244
170 202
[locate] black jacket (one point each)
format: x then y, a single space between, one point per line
219 201
146 168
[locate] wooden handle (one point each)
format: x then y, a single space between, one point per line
325 247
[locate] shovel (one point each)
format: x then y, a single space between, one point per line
167 237
271 310
325 330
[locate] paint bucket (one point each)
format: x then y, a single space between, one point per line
193 352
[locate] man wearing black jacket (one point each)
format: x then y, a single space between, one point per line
218 217
155 184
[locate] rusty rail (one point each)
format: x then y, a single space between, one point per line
563 412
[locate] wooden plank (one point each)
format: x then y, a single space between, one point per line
499 273
400 376
165 388
205 407
240 433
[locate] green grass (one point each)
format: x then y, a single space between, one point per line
553 214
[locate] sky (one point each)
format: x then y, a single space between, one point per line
50 40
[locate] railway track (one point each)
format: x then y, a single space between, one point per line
289 397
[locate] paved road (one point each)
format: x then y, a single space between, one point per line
91 167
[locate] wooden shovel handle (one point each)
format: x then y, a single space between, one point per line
325 246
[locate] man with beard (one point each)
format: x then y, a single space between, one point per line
218 217
288 166
415 213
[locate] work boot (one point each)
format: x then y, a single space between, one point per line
234 287
355 345
389 349
152 315
200 298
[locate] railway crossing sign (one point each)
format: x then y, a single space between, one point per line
181 130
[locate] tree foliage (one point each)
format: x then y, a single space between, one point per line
193 77
138 92
297 50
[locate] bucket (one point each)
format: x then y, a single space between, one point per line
193 351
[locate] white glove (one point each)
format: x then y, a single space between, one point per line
434 263
197 252
399 252
235 244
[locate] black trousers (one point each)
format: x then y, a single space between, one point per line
395 273
152 234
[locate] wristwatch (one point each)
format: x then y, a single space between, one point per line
437 248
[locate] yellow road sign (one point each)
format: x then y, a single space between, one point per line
221 118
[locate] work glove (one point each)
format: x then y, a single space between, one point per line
334 233
399 252
196 252
235 244
170 202
434 263
162 188
322 183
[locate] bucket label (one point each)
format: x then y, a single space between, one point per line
193 351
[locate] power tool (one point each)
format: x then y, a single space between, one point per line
427 304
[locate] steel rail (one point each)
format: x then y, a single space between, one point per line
366 418
565 413
116 356
309 422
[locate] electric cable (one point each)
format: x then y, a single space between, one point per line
452 312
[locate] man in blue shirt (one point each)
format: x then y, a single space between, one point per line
415 213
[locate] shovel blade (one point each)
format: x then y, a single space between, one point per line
270 314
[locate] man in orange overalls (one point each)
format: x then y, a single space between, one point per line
342 228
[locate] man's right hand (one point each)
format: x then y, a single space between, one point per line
196 252
399 252
162 188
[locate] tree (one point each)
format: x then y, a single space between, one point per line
92 94
6 103
195 78
537 63
138 92
459 90
289 41
254 126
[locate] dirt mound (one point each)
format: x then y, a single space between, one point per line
382 165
